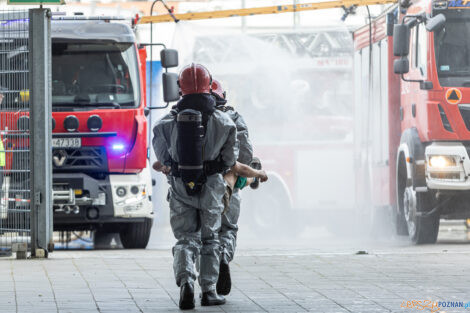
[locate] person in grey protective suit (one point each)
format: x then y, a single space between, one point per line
229 229
196 183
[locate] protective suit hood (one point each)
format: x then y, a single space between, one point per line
219 100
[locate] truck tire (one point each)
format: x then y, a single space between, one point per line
136 235
400 224
421 229
268 210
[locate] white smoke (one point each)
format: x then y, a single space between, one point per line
294 89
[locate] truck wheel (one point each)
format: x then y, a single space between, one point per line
136 235
421 229
400 224
267 210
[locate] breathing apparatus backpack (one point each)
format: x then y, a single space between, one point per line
192 114
190 149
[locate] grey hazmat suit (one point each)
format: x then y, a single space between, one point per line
229 229
196 220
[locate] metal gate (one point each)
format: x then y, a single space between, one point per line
15 193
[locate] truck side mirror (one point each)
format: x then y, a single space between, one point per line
170 87
169 58
401 66
435 23
401 40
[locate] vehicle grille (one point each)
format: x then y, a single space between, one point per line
465 112
444 119
467 147
446 176
84 160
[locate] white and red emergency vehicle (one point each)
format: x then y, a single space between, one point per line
100 158
101 172
413 115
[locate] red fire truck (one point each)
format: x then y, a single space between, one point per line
412 117
101 173
100 154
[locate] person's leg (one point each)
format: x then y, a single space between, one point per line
184 220
244 170
210 252
185 224
228 241
230 178
211 207
229 229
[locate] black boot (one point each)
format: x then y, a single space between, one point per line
187 297
224 283
256 164
211 298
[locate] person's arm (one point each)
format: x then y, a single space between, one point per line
246 149
231 178
229 151
244 170
160 142
159 167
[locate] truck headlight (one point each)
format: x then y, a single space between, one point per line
441 161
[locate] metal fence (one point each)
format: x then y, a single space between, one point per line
15 193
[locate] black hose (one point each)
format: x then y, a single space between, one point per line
81 238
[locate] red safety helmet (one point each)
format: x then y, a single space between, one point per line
194 78
217 89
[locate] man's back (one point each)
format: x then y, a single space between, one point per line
245 147
220 143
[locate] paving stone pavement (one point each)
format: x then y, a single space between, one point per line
264 280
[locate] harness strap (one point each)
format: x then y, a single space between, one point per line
210 167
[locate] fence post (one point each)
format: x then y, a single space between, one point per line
40 131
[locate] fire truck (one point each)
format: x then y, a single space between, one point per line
100 155
301 178
101 172
287 92
412 127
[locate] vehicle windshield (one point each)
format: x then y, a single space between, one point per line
452 49
88 75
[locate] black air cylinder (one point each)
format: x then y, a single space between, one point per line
190 144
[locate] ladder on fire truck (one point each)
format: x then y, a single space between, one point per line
347 5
